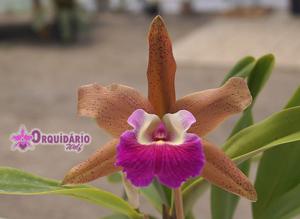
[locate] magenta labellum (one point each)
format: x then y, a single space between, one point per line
160 148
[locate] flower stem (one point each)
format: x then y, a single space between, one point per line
178 203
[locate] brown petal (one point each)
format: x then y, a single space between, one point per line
111 105
211 107
161 68
101 163
222 172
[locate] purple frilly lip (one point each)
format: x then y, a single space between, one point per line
160 148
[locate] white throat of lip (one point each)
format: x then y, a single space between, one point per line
172 125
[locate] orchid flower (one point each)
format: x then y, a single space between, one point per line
159 136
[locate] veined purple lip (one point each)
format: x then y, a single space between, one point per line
160 148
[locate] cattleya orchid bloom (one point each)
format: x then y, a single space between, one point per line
160 136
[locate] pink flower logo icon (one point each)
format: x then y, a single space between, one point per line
21 140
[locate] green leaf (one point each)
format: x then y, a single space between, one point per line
115 216
192 192
17 182
280 128
154 196
241 69
277 179
190 216
260 74
158 195
245 121
223 204
165 192
192 189
120 216
115 178
295 99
